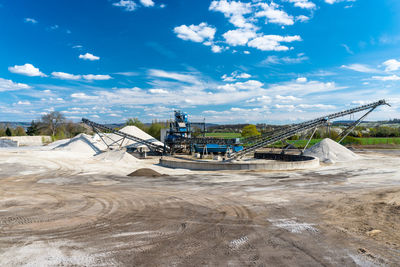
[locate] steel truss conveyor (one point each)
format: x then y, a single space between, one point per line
99 128
302 127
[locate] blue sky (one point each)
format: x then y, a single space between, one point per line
227 61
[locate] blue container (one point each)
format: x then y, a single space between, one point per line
215 148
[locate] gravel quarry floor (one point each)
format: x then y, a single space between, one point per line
61 208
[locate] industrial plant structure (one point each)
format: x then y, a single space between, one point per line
180 137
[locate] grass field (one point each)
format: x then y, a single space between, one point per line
380 141
224 135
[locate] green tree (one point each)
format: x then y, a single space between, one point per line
33 129
250 130
8 132
155 130
72 129
19 131
52 122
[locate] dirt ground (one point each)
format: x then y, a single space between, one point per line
61 210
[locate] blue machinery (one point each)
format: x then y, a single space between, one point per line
180 139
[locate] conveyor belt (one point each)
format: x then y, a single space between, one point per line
301 127
103 128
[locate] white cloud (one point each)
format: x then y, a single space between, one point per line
301 80
147 3
83 96
288 98
89 56
65 76
127 4
26 103
304 88
274 15
8 85
174 76
347 48
243 76
302 18
272 60
360 102
239 36
196 33
391 65
246 52
359 68
91 77
286 107
54 27
234 10
158 91
273 42
27 69
386 78
234 76
216 48
30 20
319 106
337 1
306 4
127 73
246 86
264 99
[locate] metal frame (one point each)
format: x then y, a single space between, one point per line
349 129
100 129
301 127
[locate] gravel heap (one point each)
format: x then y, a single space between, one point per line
329 151
81 143
146 172
117 156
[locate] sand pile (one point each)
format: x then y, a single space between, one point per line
131 130
81 143
117 156
146 172
135 131
329 151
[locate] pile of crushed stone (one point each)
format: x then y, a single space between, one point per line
110 138
146 172
329 151
116 156
81 143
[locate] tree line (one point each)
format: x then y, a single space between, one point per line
53 124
